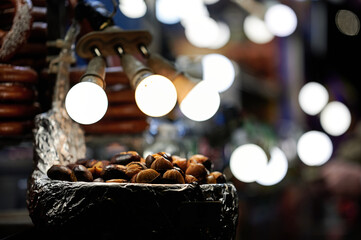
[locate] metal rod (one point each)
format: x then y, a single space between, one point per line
95 72
135 70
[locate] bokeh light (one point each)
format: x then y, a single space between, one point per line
190 11
218 71
167 11
133 8
248 162
201 103
223 36
314 148
347 22
202 31
335 118
312 98
275 170
210 2
281 20
256 30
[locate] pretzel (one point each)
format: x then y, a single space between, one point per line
121 111
117 127
18 110
125 95
13 128
10 92
13 39
10 73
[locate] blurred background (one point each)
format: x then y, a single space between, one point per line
281 122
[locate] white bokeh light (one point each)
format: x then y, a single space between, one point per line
202 31
335 118
256 30
86 103
210 2
280 20
347 22
312 98
314 148
275 170
218 71
167 11
201 103
223 36
133 8
156 95
190 11
247 162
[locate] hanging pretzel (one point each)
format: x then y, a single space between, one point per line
11 40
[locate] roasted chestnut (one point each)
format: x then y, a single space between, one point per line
114 171
190 179
180 162
97 168
60 172
199 158
124 158
146 176
197 170
72 165
149 160
211 179
160 164
173 176
163 154
220 178
82 174
90 163
129 166
82 161
133 168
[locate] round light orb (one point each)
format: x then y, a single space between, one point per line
335 118
314 148
218 70
248 162
201 31
275 170
190 11
312 98
256 30
167 11
347 22
210 2
223 37
156 95
133 8
280 20
86 103
201 103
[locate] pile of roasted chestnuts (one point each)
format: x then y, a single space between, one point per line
130 167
